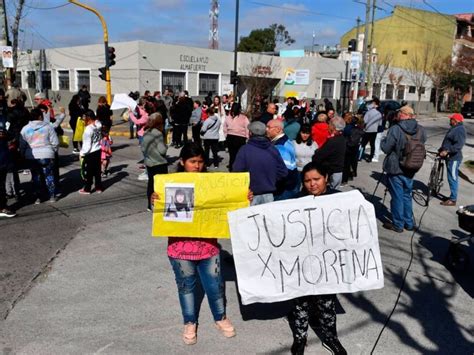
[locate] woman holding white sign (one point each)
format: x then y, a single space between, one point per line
319 310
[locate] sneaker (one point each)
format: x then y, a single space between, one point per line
226 327
334 346
7 213
143 176
84 192
190 334
298 347
448 203
75 151
53 199
37 201
99 191
390 226
410 229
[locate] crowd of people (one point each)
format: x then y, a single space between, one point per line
289 149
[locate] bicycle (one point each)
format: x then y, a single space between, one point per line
435 181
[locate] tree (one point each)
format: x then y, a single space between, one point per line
265 39
440 76
380 68
15 32
420 64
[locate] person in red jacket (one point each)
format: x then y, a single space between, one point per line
320 130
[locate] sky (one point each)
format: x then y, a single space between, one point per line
47 23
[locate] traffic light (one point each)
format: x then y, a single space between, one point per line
111 56
352 45
102 71
234 77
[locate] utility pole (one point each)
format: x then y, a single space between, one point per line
236 43
4 41
106 45
357 32
369 68
363 86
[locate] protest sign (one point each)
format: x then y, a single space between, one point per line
306 246
196 204
123 101
7 57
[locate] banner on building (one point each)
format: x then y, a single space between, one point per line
296 77
7 57
306 246
196 204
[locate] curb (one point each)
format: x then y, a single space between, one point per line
466 176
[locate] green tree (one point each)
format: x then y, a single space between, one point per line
265 39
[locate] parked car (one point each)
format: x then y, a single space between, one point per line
468 109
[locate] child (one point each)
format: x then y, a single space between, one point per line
106 151
90 154
201 260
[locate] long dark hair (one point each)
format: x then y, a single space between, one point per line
190 150
235 109
305 128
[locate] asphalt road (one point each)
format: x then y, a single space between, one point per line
83 276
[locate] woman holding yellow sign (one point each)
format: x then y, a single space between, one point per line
193 258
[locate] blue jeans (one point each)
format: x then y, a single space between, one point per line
453 174
186 275
400 188
42 173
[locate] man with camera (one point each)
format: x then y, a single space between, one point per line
404 147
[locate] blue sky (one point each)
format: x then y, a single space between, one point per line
186 22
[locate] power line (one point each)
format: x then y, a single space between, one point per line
438 12
300 11
46 8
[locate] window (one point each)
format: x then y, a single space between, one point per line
31 80
18 79
376 89
389 92
411 89
327 90
83 78
405 52
422 90
401 92
208 82
63 79
173 80
46 79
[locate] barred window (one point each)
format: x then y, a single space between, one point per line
63 79
327 89
401 92
46 79
31 79
83 78
173 81
389 92
208 83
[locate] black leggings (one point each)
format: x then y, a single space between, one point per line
211 144
92 170
350 163
369 137
152 171
319 312
233 144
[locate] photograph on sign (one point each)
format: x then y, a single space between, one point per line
290 76
179 203
7 57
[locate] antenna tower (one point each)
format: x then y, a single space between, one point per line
214 30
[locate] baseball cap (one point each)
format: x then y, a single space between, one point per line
457 117
257 128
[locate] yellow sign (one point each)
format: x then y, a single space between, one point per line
196 204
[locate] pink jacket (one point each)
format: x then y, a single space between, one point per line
237 126
192 248
140 122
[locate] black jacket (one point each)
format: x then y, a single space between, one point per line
331 154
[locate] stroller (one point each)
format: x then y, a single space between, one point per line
456 258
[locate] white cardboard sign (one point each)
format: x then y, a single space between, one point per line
306 246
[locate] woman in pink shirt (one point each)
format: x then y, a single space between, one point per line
193 258
236 131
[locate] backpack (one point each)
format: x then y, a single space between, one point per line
414 152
